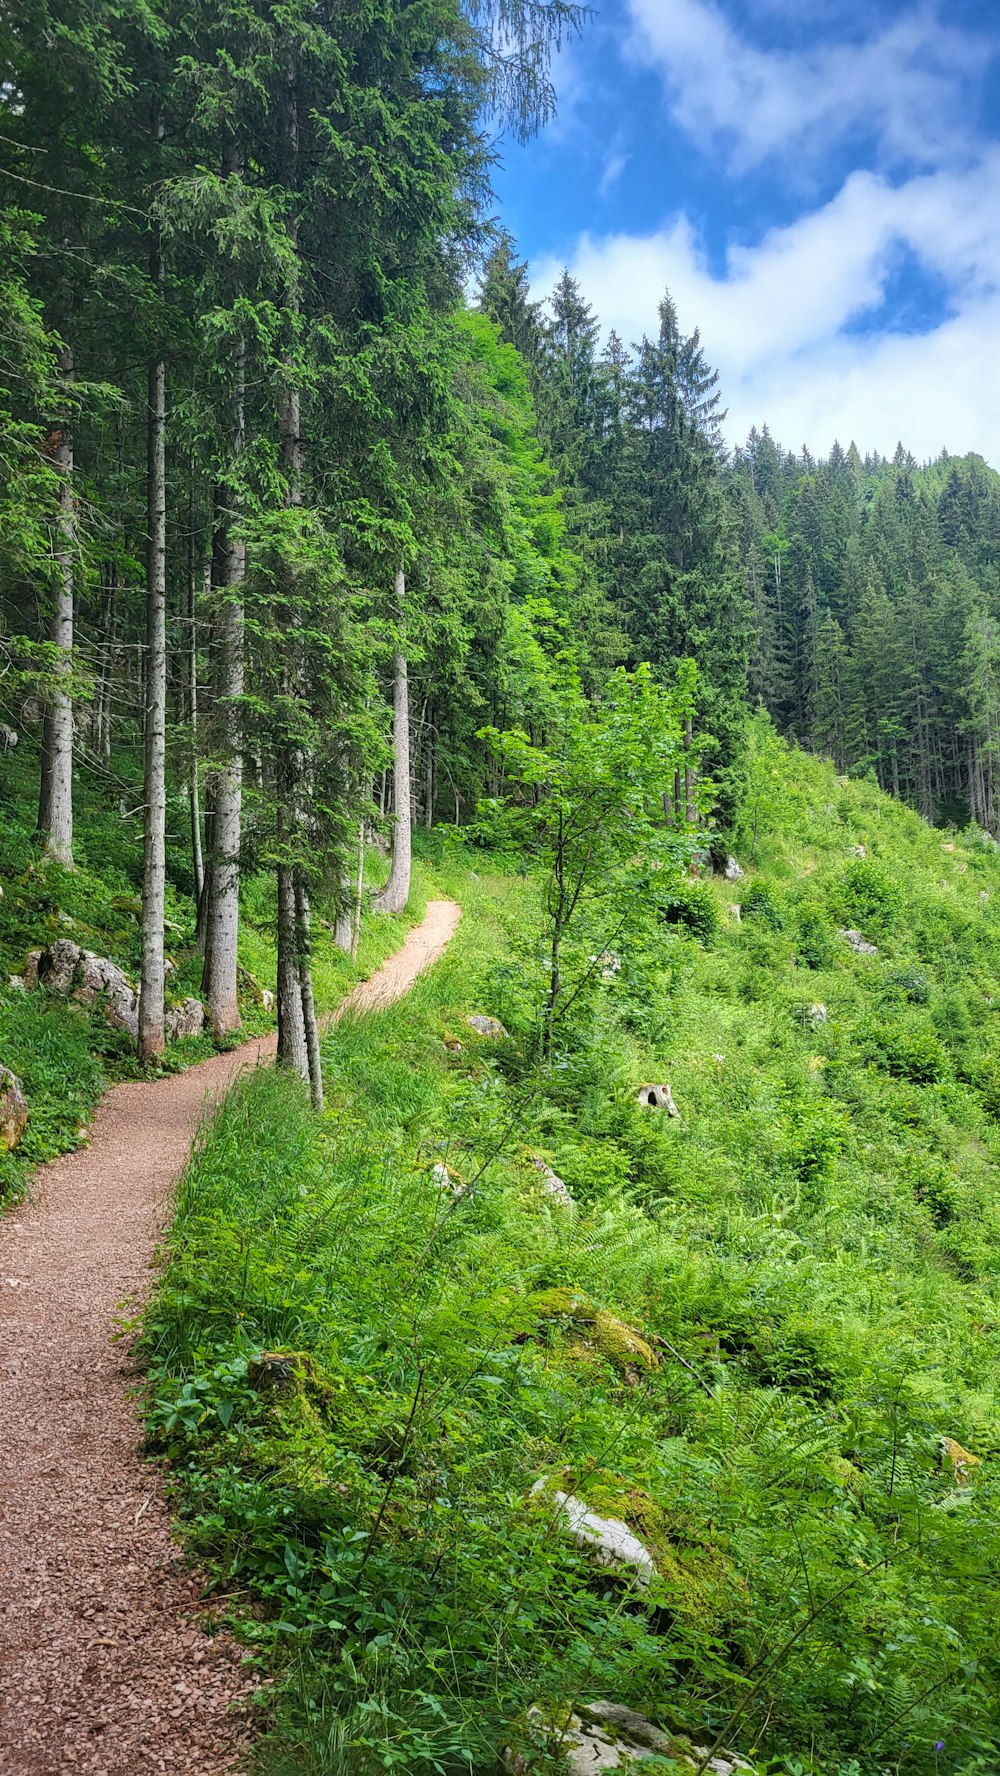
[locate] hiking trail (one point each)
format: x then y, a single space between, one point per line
103 1667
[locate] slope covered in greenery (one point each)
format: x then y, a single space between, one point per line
766 1336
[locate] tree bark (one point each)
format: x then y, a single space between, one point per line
292 1050
151 980
219 979
310 1024
55 807
396 892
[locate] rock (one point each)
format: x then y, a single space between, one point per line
452 1044
17 982
607 1539
30 970
948 848
611 965
187 1019
65 968
608 1736
858 944
733 872
858 851
552 1184
13 1110
267 999
814 1013
490 1027
657 1097
984 895
8 738
958 1459
58 964
736 912
97 978
444 1179
624 1347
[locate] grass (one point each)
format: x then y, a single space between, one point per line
810 1253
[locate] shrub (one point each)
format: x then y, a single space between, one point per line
761 902
912 983
910 1052
869 897
693 906
815 940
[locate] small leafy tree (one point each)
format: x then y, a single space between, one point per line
594 812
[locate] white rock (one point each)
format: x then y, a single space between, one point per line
859 944
486 1026
607 1736
446 1180
736 912
657 1097
610 1541
733 872
187 1019
858 851
552 1184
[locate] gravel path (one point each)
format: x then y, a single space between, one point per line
103 1669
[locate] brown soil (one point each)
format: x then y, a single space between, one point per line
103 1666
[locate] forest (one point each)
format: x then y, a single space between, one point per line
339 571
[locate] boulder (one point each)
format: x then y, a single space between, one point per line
489 1027
607 1540
608 1736
445 1179
552 1184
732 871
65 968
29 973
736 912
187 1019
813 1013
97 978
8 738
58 964
13 1110
858 851
859 944
657 1097
960 1461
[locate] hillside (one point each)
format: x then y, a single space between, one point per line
764 1335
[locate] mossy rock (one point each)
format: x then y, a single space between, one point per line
619 1343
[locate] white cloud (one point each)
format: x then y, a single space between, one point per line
614 166
776 319
906 85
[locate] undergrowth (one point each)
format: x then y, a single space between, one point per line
767 1337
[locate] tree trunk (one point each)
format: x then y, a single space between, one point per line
151 989
151 980
358 892
303 921
219 979
396 892
292 1050
55 807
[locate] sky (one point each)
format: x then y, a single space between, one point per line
817 182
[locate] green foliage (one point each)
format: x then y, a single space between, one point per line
869 898
760 902
691 905
800 1276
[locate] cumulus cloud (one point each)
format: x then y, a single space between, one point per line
781 319
906 84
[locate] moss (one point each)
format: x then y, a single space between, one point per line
620 1344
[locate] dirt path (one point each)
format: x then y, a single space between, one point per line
102 1668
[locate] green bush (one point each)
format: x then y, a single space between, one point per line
870 898
815 943
762 903
908 1051
693 906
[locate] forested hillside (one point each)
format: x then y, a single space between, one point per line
336 570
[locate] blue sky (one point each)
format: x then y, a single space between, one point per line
818 182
